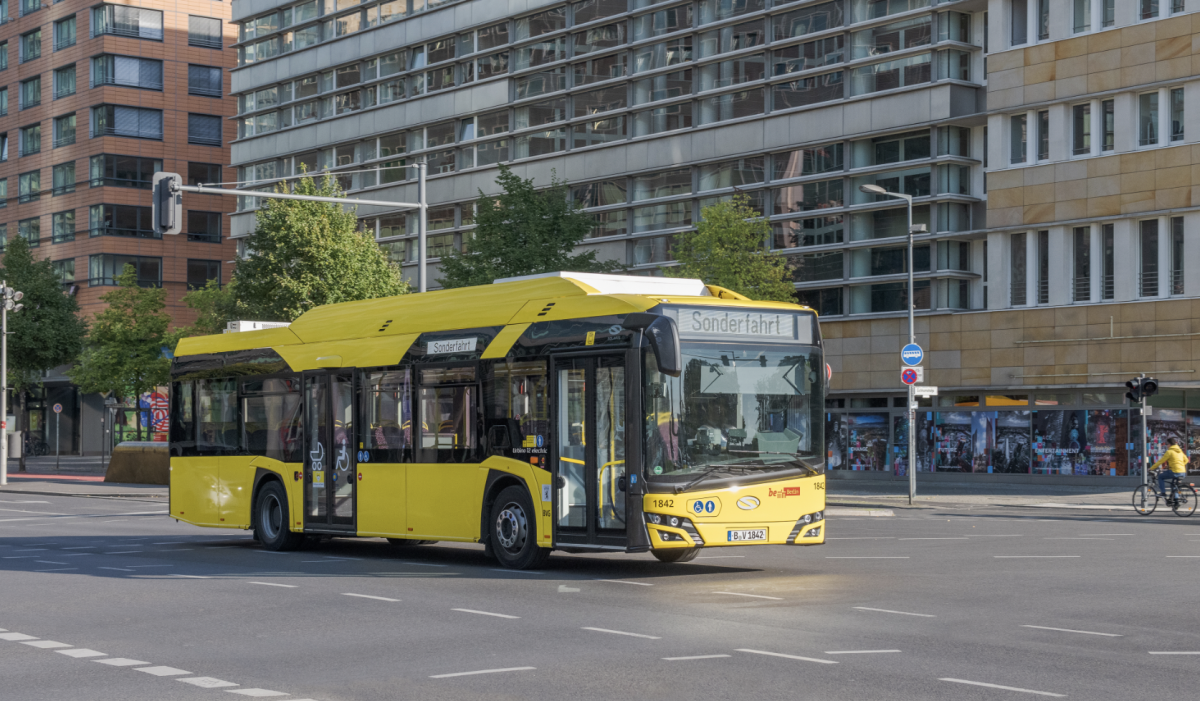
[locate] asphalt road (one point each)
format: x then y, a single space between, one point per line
107 599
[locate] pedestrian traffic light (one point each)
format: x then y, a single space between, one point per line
1134 395
168 203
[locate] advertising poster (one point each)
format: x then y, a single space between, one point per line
1193 444
954 445
1161 425
927 438
835 441
1058 438
1107 434
900 446
867 440
1009 445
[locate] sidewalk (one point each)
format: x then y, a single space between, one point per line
75 476
931 495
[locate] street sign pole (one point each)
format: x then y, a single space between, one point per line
3 389
57 434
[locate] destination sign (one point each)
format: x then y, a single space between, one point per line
742 324
458 345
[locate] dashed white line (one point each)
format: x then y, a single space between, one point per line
1069 630
256 693
50 562
902 613
1005 688
1175 652
30 550
16 637
123 552
482 671
118 569
207 682
190 576
790 657
752 596
486 613
81 652
1035 557
121 662
621 632
58 569
1183 555
625 581
45 644
885 557
273 584
695 657
883 537
856 652
717 557
368 596
501 569
163 671
81 547
426 564
948 538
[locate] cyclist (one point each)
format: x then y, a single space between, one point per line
1175 460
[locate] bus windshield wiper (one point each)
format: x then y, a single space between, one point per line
716 467
795 458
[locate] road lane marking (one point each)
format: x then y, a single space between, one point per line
368 596
1169 652
716 557
884 537
189 576
856 652
20 557
1183 555
1089 535
790 657
621 632
273 584
486 613
1069 630
81 547
902 613
947 538
1037 557
1077 538
502 569
123 552
879 557
136 567
256 693
50 562
16 637
58 569
121 662
623 581
76 554
426 564
163 671
78 652
207 682
753 596
695 657
29 550
174 542
118 569
45 644
1005 688
482 671
996 535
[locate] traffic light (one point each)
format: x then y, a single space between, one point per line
1141 388
168 203
1149 386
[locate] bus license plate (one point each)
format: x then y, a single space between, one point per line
743 536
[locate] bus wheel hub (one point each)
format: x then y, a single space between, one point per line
512 527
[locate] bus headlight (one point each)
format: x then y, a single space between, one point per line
674 522
808 518
654 518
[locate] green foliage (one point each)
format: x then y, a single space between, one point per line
728 249
214 304
523 231
48 331
124 354
308 254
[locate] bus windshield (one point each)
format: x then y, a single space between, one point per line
737 409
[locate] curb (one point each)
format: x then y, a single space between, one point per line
148 497
843 511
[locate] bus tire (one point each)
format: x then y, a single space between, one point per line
408 542
271 519
513 531
676 554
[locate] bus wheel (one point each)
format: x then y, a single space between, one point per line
409 542
271 526
513 531
676 554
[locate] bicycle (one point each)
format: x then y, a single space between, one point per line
1181 497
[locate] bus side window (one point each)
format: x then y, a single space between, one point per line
517 401
449 398
386 424
217 416
183 419
270 418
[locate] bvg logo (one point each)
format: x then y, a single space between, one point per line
783 493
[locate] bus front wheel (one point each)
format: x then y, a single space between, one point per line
271 524
513 531
676 554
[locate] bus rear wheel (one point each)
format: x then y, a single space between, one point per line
513 531
676 554
271 524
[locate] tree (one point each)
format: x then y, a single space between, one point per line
523 231
214 304
308 254
124 351
47 332
728 249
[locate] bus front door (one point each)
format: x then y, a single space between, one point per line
589 463
329 452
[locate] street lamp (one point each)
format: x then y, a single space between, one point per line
912 334
9 299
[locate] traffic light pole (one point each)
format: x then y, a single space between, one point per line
4 388
1145 447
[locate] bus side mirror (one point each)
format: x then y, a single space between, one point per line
663 334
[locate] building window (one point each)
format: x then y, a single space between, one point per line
1018 146
64 33
1043 135
204 226
104 268
123 171
120 220
124 21
204 32
31 93
204 129
30 230
199 272
1109 124
1043 267
3 56
1108 262
63 226
1043 19
133 122
1176 255
1147 9
1148 250
1148 119
31 45
29 6
826 301
1081 129
1108 10
65 269
204 80
3 193
31 139
1176 106
127 71
1082 282
1081 16
64 81
889 75
64 178
3 101
29 186
203 173
64 130
1019 19
1017 270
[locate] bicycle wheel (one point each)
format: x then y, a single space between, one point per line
1185 501
1145 500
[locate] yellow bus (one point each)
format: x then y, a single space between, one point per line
566 411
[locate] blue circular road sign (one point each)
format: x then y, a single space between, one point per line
912 354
